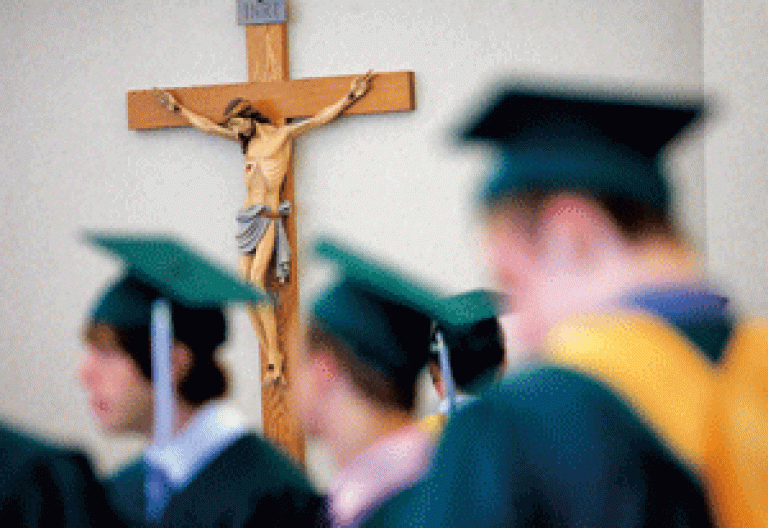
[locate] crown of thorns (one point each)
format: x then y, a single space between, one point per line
237 107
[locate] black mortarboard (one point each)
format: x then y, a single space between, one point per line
473 348
381 314
595 142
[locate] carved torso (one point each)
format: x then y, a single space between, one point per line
265 166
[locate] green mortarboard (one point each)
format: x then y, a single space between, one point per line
473 306
595 142
162 272
382 315
180 272
470 353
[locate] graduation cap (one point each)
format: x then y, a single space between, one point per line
595 142
382 314
162 272
468 345
473 306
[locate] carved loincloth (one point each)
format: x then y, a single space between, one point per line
252 224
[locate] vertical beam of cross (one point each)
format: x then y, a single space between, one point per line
267 58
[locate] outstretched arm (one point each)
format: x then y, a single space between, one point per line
356 90
198 121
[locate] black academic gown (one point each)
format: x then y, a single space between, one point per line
554 447
46 486
249 484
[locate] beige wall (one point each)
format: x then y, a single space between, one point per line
393 182
735 66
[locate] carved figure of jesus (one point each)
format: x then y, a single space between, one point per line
267 148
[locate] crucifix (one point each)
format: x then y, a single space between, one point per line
281 100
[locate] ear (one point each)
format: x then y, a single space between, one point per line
437 378
573 229
439 388
181 360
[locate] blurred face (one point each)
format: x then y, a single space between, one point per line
306 390
319 388
567 267
513 257
119 395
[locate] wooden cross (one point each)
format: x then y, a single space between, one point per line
267 55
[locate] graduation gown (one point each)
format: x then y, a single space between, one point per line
248 484
566 444
737 466
46 486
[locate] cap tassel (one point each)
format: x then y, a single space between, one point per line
162 386
445 368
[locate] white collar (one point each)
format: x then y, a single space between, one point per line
388 466
212 429
459 401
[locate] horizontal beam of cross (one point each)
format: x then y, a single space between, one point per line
297 98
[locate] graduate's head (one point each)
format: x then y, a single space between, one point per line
367 342
119 349
475 349
579 185
159 325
